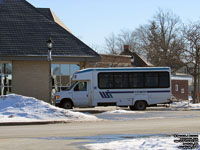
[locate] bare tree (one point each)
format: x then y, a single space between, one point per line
115 43
192 52
159 41
111 44
162 41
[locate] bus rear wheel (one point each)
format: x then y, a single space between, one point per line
132 107
140 105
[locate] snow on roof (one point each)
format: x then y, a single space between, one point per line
16 108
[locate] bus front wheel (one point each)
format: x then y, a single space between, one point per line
67 104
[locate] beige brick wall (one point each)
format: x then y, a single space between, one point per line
31 78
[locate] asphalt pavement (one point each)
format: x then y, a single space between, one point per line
73 135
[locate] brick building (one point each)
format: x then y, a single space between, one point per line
125 59
109 60
180 89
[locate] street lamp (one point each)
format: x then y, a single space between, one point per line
50 46
49 58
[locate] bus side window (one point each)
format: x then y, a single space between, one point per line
164 80
82 86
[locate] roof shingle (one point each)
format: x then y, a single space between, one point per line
25 29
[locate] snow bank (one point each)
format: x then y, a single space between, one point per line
121 112
16 108
181 104
185 104
194 106
151 143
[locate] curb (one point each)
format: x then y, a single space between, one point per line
31 123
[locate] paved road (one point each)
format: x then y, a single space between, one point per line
70 135
151 112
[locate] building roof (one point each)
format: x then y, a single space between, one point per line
24 31
138 60
51 15
112 60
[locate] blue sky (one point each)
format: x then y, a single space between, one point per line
93 20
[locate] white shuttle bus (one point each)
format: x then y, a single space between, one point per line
137 87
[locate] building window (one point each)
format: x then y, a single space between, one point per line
5 78
176 87
191 70
182 91
185 70
61 75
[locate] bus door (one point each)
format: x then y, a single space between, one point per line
81 94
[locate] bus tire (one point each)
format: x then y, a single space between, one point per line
132 107
67 104
140 105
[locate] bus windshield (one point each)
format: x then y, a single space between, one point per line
72 85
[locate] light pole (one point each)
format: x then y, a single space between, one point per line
132 60
49 58
50 46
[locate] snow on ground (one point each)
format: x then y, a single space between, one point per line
122 112
185 104
152 118
16 108
147 143
181 104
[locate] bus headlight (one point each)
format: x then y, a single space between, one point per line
57 96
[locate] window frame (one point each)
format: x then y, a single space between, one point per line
176 87
6 78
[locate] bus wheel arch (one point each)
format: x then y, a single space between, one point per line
66 103
140 105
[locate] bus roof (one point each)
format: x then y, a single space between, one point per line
125 69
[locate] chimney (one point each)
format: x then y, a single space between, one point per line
127 49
